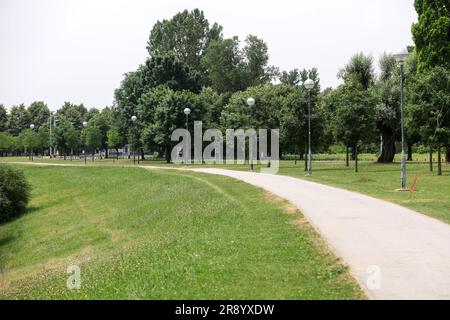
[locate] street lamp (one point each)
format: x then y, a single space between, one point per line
133 120
400 56
84 149
31 147
250 102
309 85
187 112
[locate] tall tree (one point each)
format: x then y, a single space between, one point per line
431 34
39 113
358 72
3 118
186 35
19 119
74 113
387 92
231 68
429 108
354 122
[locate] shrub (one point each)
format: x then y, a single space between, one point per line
14 193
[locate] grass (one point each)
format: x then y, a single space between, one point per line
377 180
161 234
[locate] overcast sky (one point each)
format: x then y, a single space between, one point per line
78 50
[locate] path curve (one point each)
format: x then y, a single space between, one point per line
410 251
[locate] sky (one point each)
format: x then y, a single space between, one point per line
78 50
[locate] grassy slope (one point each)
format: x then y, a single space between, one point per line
162 234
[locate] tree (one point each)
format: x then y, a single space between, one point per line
224 62
354 122
3 118
72 139
186 35
291 78
74 113
168 70
387 92
29 141
103 122
39 113
231 69
167 115
429 108
257 58
113 141
93 138
6 142
19 119
431 34
358 72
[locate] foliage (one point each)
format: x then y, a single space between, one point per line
431 34
39 113
14 193
3 118
186 35
429 107
358 72
19 119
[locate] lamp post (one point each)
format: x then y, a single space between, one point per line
84 149
250 103
133 120
187 112
32 140
309 85
400 56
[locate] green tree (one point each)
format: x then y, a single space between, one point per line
354 121
231 69
168 115
93 138
6 142
74 113
19 119
387 92
186 35
3 118
429 108
72 139
358 72
431 34
114 141
39 113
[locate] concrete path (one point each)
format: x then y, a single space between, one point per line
394 252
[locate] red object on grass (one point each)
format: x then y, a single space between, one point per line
413 185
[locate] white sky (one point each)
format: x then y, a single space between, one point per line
78 50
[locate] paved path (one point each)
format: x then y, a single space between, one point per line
410 251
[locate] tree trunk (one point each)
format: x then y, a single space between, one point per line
447 154
142 154
410 151
106 153
439 173
431 157
167 154
353 153
117 153
347 160
356 158
388 149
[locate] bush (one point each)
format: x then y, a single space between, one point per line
14 193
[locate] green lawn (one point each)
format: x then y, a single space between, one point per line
161 234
